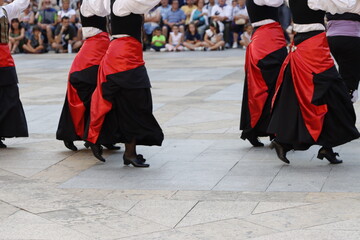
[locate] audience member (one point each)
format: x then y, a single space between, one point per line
199 17
175 16
188 9
16 37
246 36
221 14
35 42
213 39
67 11
192 38
176 40
158 41
240 18
164 8
65 37
208 7
27 19
47 20
152 20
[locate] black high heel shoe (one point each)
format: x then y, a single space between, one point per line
2 145
139 161
70 145
111 146
96 150
280 151
329 154
255 141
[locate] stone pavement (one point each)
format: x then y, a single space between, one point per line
204 183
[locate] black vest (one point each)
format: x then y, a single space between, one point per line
302 14
345 16
4 28
258 13
94 21
130 25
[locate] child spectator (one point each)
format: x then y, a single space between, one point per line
240 18
246 36
176 40
192 38
158 41
35 42
17 35
214 38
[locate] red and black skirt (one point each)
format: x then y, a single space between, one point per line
122 101
264 58
312 105
12 116
82 82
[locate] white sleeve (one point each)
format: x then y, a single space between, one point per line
123 8
332 6
270 3
95 7
14 9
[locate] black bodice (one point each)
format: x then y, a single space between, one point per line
130 25
258 13
302 14
345 16
94 21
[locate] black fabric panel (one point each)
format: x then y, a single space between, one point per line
12 116
258 13
94 21
8 76
66 130
300 37
302 14
344 16
87 75
346 51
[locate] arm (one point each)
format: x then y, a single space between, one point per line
14 9
32 18
207 40
95 7
333 6
22 34
270 3
123 8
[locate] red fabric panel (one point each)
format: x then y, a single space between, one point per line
6 59
310 57
123 54
266 39
90 54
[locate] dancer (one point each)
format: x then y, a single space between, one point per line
264 57
343 33
123 84
311 104
12 116
82 79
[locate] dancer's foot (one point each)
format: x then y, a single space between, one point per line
137 161
329 154
255 141
96 150
280 151
111 146
70 145
2 145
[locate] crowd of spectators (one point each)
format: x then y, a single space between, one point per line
173 25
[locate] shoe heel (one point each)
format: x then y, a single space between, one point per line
126 162
272 146
320 156
87 145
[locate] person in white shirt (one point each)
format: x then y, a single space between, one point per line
221 14
240 17
12 116
176 40
66 11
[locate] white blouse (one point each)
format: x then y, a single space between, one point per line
14 9
121 8
333 6
270 3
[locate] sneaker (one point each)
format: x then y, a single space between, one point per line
235 45
227 45
162 49
199 49
152 50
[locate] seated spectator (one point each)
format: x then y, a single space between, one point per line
152 20
35 43
240 18
164 8
175 16
47 20
213 39
192 38
67 11
158 41
65 37
176 40
27 19
16 36
221 14
246 36
199 17
188 9
209 4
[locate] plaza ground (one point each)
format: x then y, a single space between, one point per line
204 183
